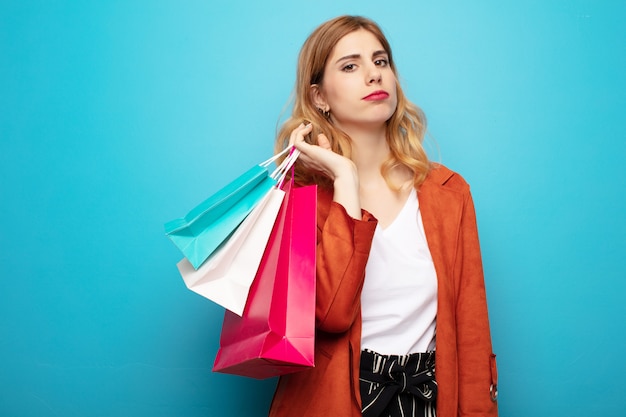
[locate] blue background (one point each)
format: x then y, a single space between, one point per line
116 116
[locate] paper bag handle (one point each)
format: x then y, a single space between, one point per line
275 157
280 173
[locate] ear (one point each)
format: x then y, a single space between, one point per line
317 97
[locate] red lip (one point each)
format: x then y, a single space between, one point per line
377 95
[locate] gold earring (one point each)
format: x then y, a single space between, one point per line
325 113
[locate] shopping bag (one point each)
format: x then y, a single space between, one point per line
226 276
276 333
199 233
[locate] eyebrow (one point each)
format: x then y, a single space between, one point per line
355 56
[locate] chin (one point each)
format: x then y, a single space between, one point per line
384 117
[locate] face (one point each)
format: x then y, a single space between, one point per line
359 86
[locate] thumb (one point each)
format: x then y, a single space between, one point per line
323 141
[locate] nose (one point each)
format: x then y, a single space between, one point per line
374 76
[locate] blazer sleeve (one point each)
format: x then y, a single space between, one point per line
477 371
342 251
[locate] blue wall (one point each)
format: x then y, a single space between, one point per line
116 116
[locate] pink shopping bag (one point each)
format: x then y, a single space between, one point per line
276 333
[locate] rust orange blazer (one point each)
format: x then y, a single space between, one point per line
465 366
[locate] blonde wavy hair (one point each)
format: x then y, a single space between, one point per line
405 128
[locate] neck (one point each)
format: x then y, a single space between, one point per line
369 147
369 151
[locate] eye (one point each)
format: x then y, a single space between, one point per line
349 68
382 62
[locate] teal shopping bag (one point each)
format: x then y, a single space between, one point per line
199 233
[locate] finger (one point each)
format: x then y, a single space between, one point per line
292 136
297 135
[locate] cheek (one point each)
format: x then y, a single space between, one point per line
332 94
394 88
337 92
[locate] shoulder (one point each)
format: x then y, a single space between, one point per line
441 176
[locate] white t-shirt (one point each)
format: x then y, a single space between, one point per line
399 298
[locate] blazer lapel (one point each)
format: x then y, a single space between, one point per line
441 210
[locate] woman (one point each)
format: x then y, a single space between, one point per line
398 254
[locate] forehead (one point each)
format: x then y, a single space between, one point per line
360 42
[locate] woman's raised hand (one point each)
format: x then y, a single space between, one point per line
319 158
341 170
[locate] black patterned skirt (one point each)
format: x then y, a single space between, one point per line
398 386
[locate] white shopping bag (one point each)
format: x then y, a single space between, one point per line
226 276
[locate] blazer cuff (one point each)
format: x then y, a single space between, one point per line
343 226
